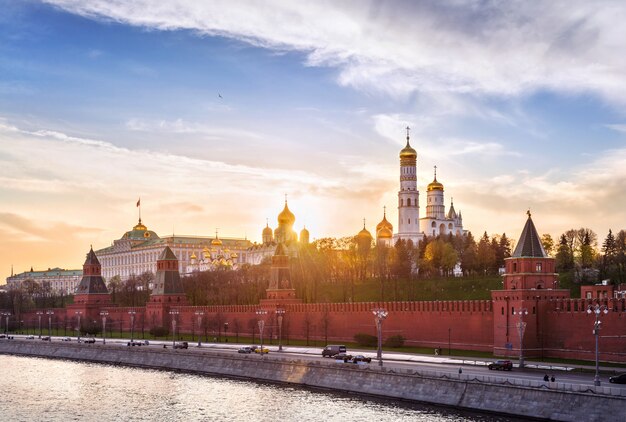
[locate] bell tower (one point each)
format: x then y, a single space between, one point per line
408 195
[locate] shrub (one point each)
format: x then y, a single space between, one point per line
365 340
159 331
395 341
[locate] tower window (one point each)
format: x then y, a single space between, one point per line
408 202
512 310
409 221
515 267
402 202
538 267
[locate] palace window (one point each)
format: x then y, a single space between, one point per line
409 221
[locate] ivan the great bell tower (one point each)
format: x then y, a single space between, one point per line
408 196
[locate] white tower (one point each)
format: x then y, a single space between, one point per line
435 208
408 196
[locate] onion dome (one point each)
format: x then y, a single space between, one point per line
385 233
193 256
286 217
384 223
407 151
267 231
434 185
216 242
233 255
364 234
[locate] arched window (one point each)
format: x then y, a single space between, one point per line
402 202
408 203
433 224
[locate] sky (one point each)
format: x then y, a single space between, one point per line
211 112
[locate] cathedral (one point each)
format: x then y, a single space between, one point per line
410 225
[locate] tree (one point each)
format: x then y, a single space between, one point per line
548 243
485 256
564 256
470 253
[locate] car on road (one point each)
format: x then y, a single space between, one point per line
135 343
332 349
30 337
618 379
181 345
146 343
45 338
343 356
90 340
501 365
3 336
66 339
360 358
245 349
263 350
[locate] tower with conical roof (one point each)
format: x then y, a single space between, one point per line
408 195
91 293
530 283
167 292
280 290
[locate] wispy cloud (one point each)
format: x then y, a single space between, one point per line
617 127
499 48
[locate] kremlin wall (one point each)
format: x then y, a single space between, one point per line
554 325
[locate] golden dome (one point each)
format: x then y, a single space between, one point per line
407 151
140 226
304 232
286 216
206 249
233 255
385 233
364 234
384 223
434 185
193 256
216 242
267 231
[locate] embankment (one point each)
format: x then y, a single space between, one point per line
563 402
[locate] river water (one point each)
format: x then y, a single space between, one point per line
35 389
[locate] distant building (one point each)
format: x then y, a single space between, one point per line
59 280
138 250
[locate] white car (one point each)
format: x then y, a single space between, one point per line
66 339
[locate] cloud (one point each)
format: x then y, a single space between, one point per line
617 127
479 48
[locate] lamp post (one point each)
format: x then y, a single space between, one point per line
78 314
280 313
199 314
261 313
39 314
49 313
7 315
598 310
379 316
521 327
132 313
225 332
174 313
104 314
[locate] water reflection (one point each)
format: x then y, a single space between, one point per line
34 389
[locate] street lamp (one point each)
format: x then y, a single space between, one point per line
39 314
174 313
49 313
379 315
598 310
104 314
521 327
132 313
280 313
7 315
199 314
261 313
225 332
78 314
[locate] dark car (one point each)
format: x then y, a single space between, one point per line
618 379
332 349
46 338
343 356
501 365
181 345
361 358
135 343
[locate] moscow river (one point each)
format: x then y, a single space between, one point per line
35 389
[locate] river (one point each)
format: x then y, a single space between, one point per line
35 389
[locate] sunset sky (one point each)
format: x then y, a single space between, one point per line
212 111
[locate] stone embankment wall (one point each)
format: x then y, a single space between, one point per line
560 402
